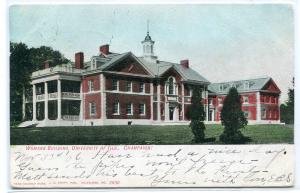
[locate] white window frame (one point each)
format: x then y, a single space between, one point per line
91 85
94 64
220 100
264 114
246 85
189 91
131 108
143 91
244 99
118 108
91 107
210 101
247 114
130 83
203 93
168 86
112 84
144 107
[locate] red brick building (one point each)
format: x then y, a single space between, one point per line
115 88
260 99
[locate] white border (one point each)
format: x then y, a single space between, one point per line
4 78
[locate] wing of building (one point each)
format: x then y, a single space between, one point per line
121 88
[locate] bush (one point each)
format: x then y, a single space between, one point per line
197 115
233 119
198 128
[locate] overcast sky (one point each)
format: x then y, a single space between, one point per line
222 42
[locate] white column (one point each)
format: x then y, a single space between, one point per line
23 105
34 102
182 106
103 96
258 107
151 100
207 107
81 103
167 117
158 102
46 101
58 99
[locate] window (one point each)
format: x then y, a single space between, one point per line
272 99
189 91
141 87
94 64
129 108
115 84
221 87
116 108
128 86
247 114
267 99
203 94
171 86
263 113
142 109
246 85
220 100
246 99
92 108
262 99
91 85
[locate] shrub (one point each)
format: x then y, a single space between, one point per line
197 115
233 119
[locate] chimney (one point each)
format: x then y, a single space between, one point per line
104 49
79 59
184 63
47 64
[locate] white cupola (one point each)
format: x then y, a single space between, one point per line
148 48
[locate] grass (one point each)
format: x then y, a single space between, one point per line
147 134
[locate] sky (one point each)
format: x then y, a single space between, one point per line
223 42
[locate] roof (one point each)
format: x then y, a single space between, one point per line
148 38
240 85
161 67
155 69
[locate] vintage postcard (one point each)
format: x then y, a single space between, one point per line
166 95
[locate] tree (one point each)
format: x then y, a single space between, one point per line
19 78
23 61
233 119
197 115
287 109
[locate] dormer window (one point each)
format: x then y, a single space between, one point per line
221 87
94 64
246 85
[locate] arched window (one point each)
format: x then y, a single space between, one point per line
171 86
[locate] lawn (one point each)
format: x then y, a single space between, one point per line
147 134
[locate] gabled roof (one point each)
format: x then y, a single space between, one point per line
241 85
161 67
114 60
155 69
